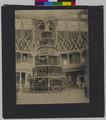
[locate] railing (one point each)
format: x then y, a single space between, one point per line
46 88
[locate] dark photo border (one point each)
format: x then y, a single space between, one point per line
95 108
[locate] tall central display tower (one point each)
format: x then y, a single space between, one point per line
48 73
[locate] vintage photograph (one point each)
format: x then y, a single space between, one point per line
52 61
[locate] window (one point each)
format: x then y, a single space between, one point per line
30 58
23 77
18 57
74 57
24 57
77 57
17 77
70 58
64 59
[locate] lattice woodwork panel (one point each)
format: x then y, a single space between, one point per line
24 40
28 40
70 41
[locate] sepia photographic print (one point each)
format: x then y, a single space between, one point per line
51 48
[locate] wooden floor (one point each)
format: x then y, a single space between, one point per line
72 95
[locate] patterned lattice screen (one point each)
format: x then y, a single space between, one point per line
27 40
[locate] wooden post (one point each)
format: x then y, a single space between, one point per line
20 83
